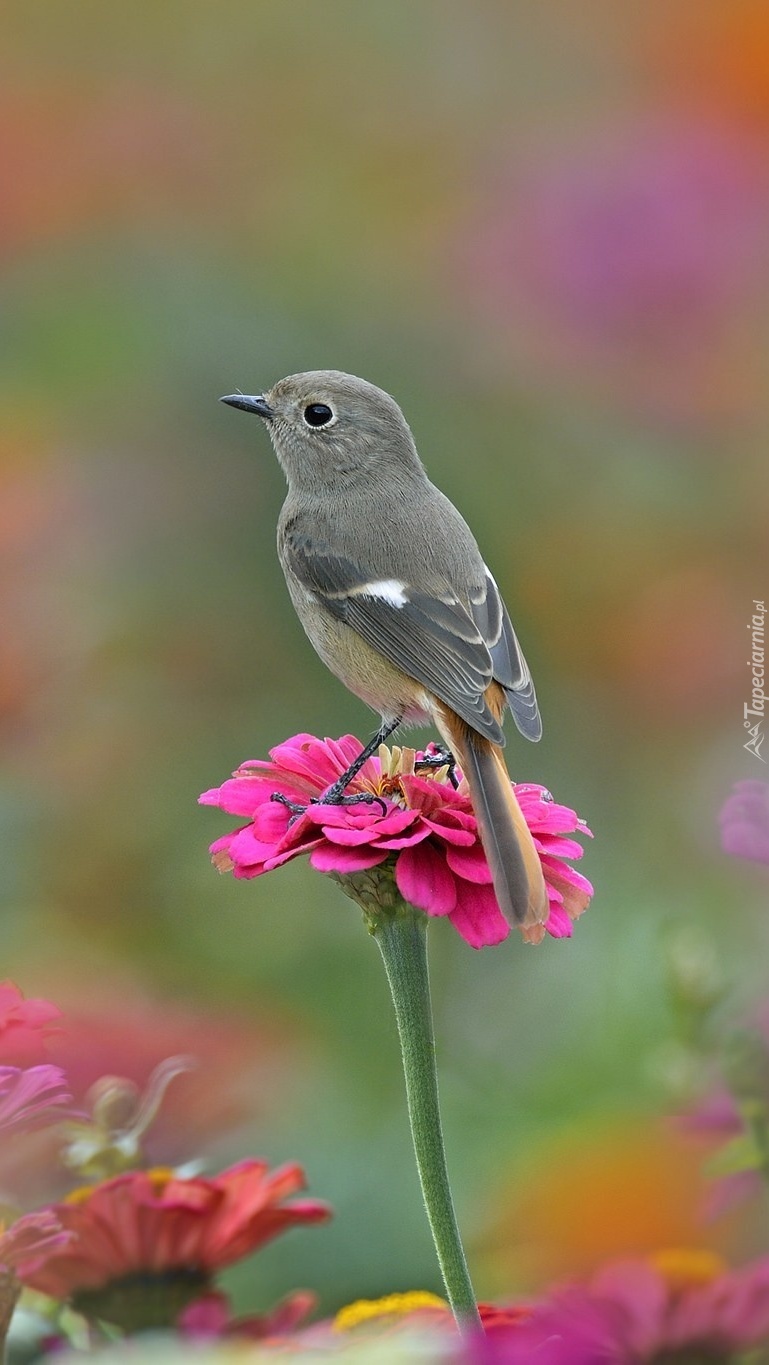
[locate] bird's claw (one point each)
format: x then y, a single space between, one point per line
440 757
295 807
329 798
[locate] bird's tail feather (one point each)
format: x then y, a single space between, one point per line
512 857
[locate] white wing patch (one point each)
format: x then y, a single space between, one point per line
389 590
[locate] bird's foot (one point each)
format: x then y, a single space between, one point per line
332 797
295 807
338 796
440 757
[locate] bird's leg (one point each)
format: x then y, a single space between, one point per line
441 757
335 795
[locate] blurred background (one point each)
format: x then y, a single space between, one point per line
545 229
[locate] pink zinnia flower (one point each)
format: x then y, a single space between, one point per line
744 820
678 1304
146 1244
29 1238
419 821
22 1245
25 1027
32 1097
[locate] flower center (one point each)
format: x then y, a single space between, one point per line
143 1300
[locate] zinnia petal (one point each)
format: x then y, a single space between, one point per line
424 879
477 917
469 863
334 858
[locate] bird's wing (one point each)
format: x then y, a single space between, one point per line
510 667
429 634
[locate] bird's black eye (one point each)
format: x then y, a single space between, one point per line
318 415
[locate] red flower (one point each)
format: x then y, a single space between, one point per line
418 820
25 1026
147 1244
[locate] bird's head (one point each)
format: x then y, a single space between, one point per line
328 427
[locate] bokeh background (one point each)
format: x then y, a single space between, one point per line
545 228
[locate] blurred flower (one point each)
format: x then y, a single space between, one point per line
22 1244
415 818
737 1111
389 1309
25 1027
744 820
147 1244
605 1189
210 1317
677 1305
418 1347
419 1309
28 1237
124 1031
111 1140
634 264
31 1097
121 1039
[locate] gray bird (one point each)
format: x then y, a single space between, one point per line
391 588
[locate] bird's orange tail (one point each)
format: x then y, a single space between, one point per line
515 866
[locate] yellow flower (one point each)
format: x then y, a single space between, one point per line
391 1306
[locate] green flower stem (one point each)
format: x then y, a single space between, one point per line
402 941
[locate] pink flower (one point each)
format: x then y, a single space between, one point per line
21 1246
746 1064
146 1244
33 1097
679 1304
629 265
744 820
25 1026
210 1317
29 1238
418 821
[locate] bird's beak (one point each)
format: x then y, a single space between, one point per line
256 403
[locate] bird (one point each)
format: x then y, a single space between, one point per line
393 593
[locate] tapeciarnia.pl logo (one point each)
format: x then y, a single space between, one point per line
753 712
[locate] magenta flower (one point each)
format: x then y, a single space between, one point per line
33 1097
630 263
678 1305
419 821
744 820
